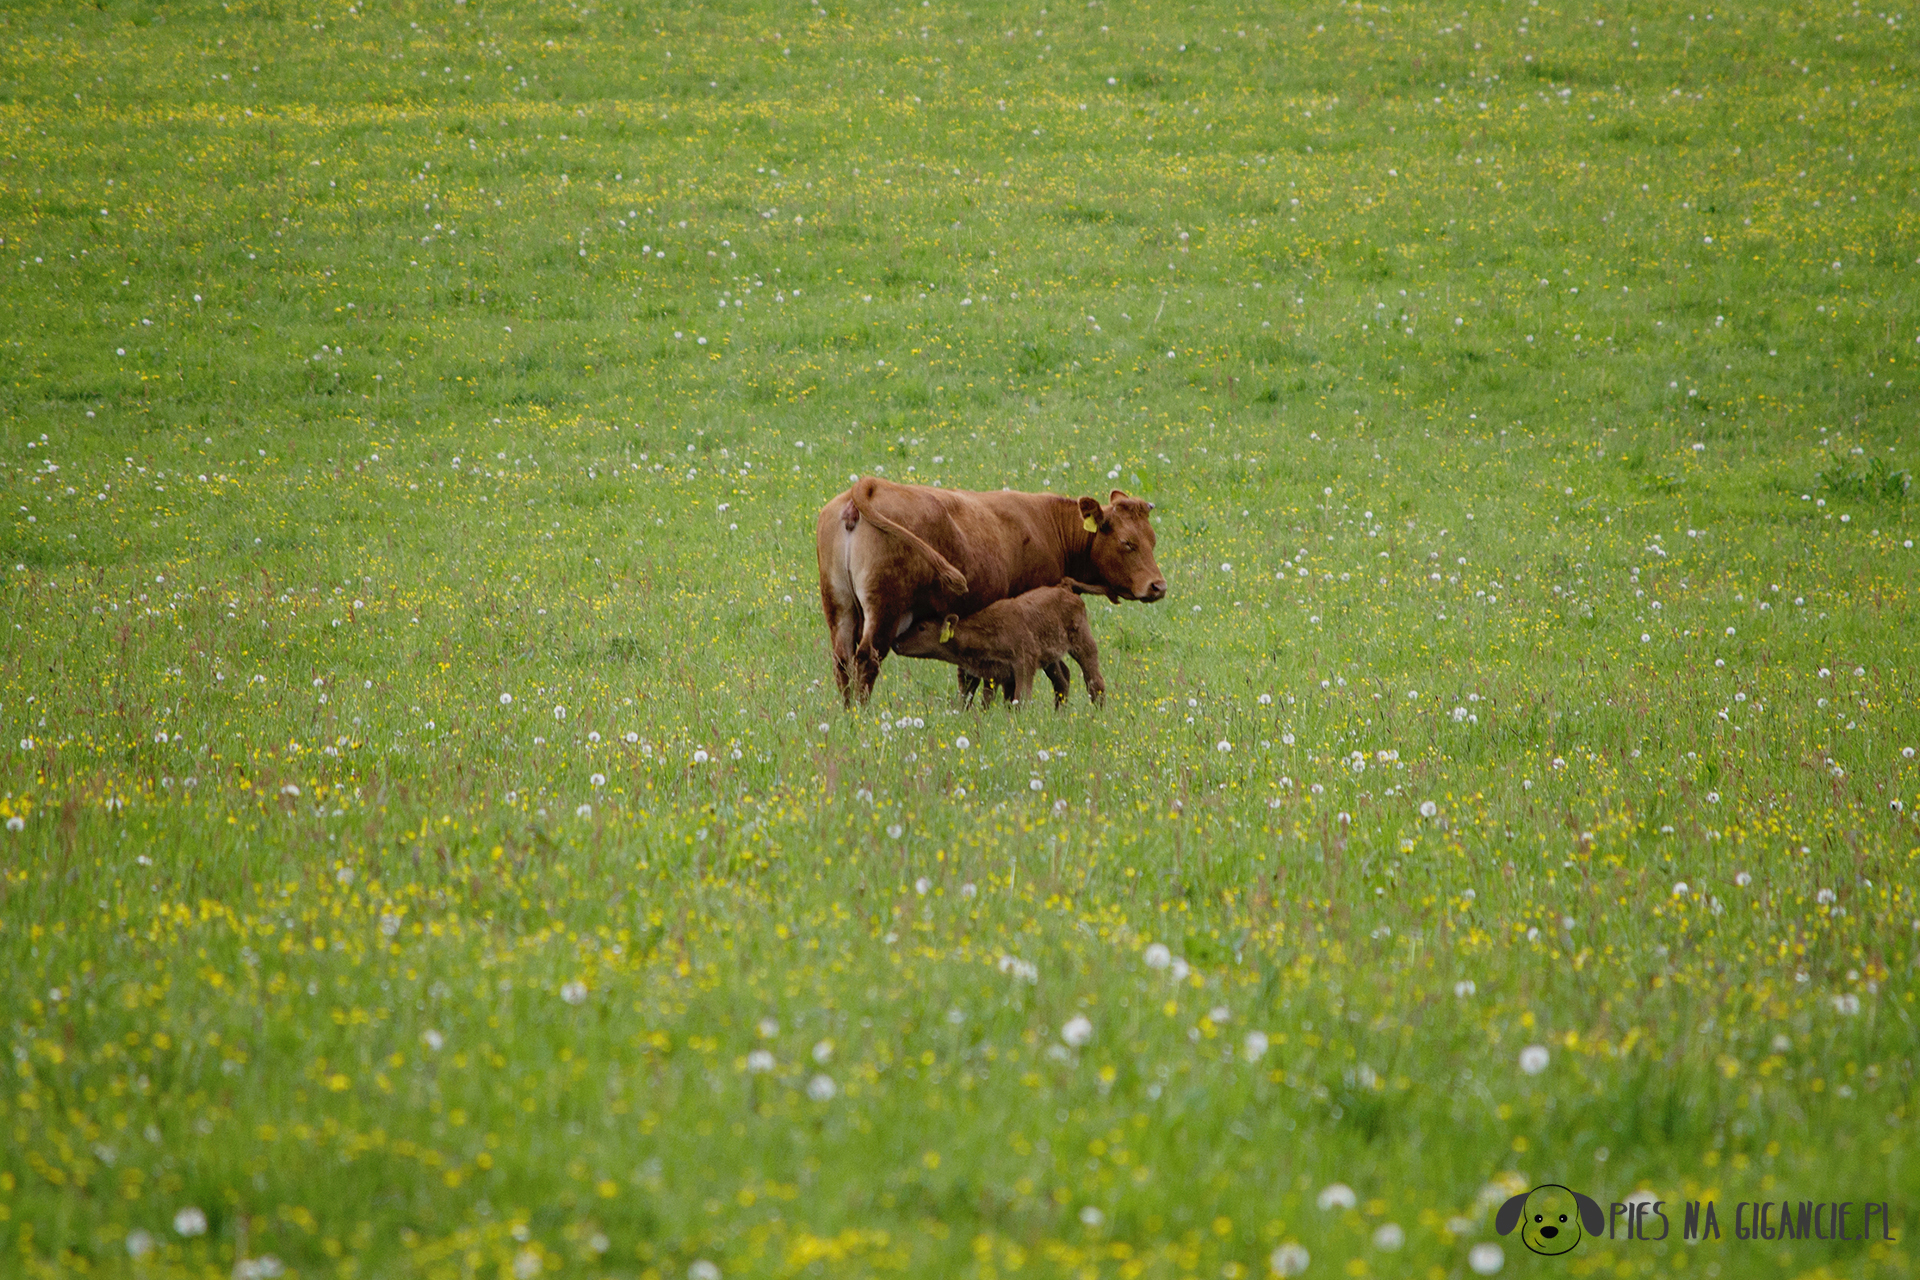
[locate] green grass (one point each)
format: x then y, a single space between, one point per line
1527 395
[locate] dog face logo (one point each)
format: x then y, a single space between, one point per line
1552 1219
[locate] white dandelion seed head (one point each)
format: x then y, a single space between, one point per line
1389 1236
190 1221
700 756
1289 1259
703 1270
961 742
1428 809
16 823
574 992
559 713
1825 896
1091 1216
584 811
1157 956
1464 988
506 699
1534 1059
1680 889
760 1060
1743 879
139 1243
433 1040
598 780
526 1265
1486 1258
822 1088
1253 1046
1336 1195
1223 746
1077 1031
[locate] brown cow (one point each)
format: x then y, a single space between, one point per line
893 554
1009 640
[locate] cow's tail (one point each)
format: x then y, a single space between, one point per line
950 577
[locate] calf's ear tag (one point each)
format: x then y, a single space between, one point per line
1092 525
946 632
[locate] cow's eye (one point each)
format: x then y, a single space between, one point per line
1127 546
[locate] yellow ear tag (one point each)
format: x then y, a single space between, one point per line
946 632
1092 525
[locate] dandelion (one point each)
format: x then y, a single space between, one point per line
1533 1059
1848 1004
433 1040
1289 1259
1486 1258
703 1270
822 1088
598 779
1223 746
1389 1237
1428 809
526 1265
1743 879
921 886
1157 956
961 742
190 1221
700 756
1464 988
16 823
1680 889
139 1243
630 738
1253 1046
1092 1217
759 1061
1077 1031
559 713
1265 699
574 992
1825 897
584 811
506 699
1336 1195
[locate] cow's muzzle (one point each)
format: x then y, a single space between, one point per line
1156 590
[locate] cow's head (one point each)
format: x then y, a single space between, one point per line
930 638
1122 546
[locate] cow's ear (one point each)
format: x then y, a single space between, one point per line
1116 495
1091 516
947 625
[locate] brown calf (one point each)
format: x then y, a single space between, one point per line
1006 642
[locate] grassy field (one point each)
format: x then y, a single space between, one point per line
435 847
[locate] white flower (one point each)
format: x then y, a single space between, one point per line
1824 896
1091 1216
1336 1195
1266 699
967 890
823 1052
526 1265
1486 1258
1077 1031
16 823
1906 753
921 885
598 779
559 713
190 1222
1848 1004
574 992
759 1060
584 811
1389 1237
1533 1059
895 830
1289 1259
1157 956
1428 809
1459 714
1743 879
139 1243
1464 988
433 1040
631 738
1286 739
1680 889
703 1270
1223 746
961 742
506 699
1254 1046
289 790
822 1088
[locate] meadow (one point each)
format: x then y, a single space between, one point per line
434 845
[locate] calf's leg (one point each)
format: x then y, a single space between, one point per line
1061 680
1087 654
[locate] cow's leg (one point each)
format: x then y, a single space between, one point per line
969 685
1022 688
1061 680
843 633
876 639
1087 654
